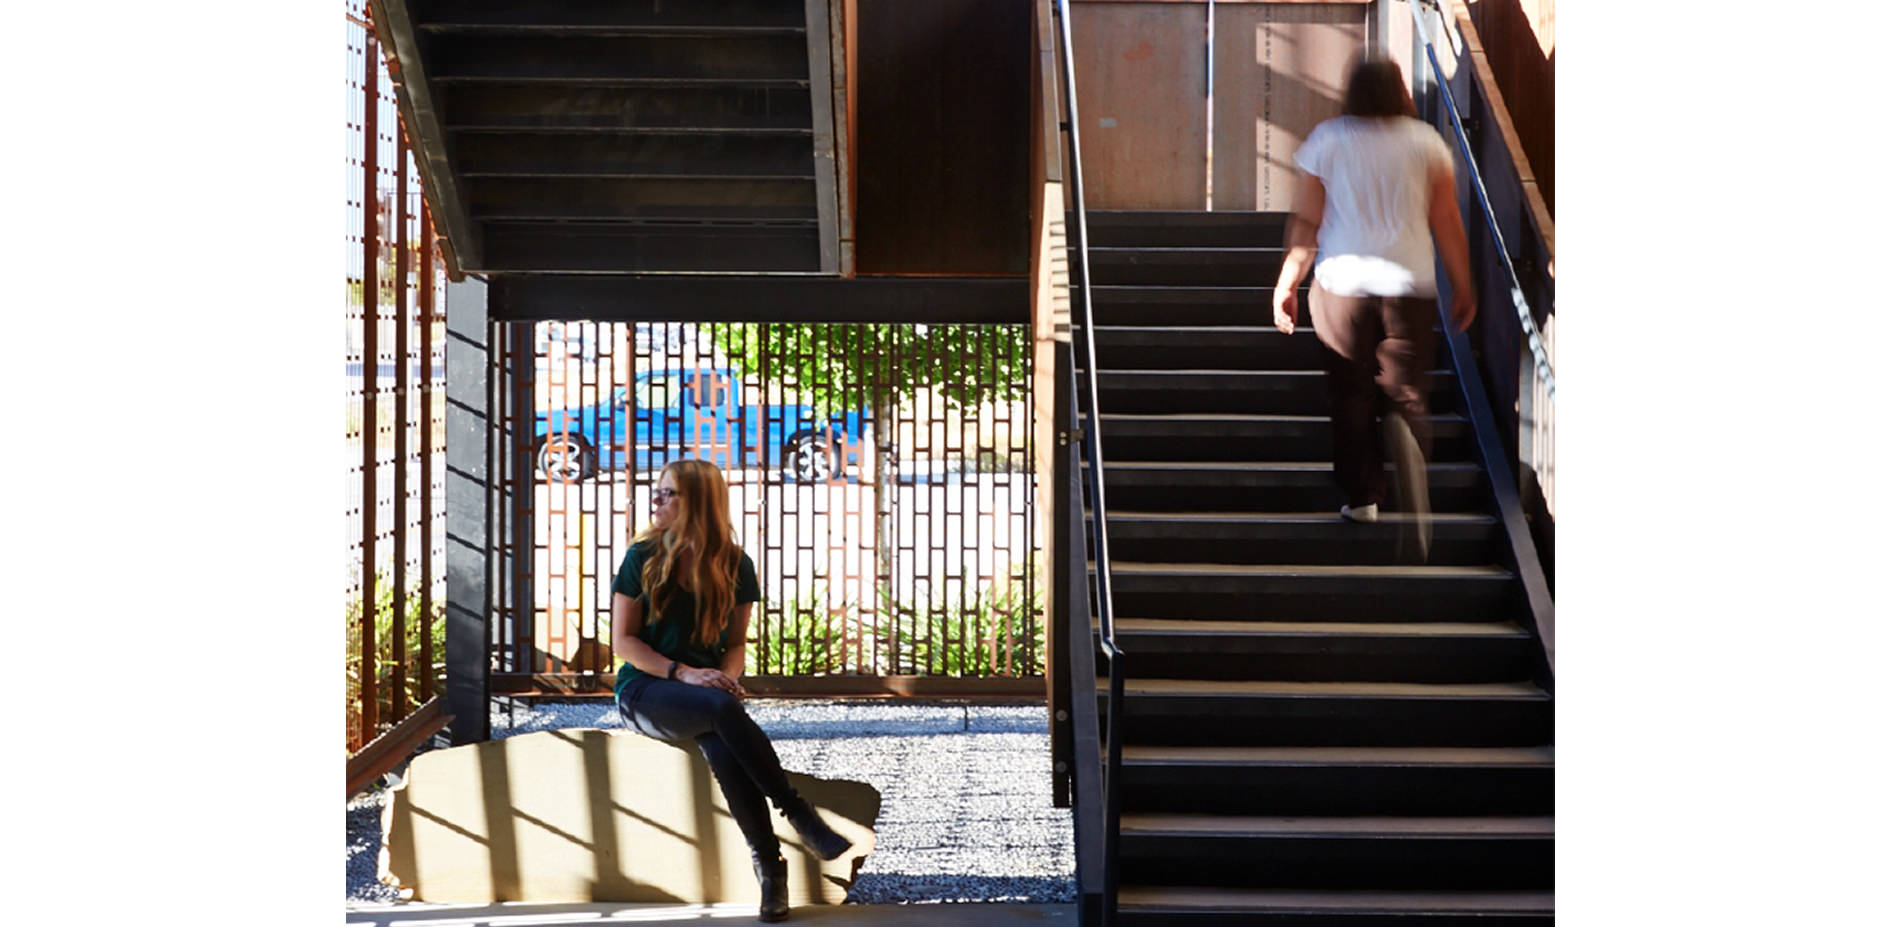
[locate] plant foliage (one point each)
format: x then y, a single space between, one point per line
419 681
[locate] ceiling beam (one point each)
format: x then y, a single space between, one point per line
757 298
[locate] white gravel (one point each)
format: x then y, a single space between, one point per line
966 813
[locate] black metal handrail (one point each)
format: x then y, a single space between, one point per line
1490 450
1094 485
1538 355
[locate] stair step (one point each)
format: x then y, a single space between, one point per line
442 15
484 56
1219 229
1386 852
705 106
1249 436
1338 780
1213 906
1313 592
1272 392
1164 306
1375 827
526 247
1258 266
1416 651
1257 346
1283 486
563 30
1285 713
774 201
726 154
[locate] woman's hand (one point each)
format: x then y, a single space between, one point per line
1286 308
710 678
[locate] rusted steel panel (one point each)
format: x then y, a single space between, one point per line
941 161
392 440
1279 70
372 296
1141 91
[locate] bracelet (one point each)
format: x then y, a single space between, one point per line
671 670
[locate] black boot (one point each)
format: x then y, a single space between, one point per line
812 829
772 897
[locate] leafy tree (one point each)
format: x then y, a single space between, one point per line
839 367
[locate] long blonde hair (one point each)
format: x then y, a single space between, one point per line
702 529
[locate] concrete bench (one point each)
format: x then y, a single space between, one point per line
595 815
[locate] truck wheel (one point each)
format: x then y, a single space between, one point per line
810 458
564 458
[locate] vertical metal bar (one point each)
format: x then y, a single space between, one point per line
399 519
1061 609
372 293
520 469
1209 206
425 299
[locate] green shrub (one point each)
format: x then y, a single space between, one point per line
993 632
419 683
804 637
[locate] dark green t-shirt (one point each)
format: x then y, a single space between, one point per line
671 634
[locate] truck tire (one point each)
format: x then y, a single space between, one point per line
810 457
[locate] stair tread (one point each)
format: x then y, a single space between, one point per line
1208 329
747 83
1380 826
1133 568
1259 687
1149 898
632 131
1288 518
1237 417
1233 371
1333 756
1189 627
1258 465
605 30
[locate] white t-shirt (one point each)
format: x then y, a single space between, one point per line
1374 238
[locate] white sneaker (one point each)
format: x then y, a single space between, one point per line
1360 513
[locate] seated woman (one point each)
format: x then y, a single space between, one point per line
682 601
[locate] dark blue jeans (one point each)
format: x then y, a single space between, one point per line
740 754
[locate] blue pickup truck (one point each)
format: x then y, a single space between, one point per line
693 413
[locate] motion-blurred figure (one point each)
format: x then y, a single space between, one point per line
1375 191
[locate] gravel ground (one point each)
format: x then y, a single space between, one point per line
965 817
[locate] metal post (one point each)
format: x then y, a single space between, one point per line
399 495
468 502
372 293
425 310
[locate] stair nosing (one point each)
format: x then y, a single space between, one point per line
1185 899
1187 627
1147 687
1371 826
1160 755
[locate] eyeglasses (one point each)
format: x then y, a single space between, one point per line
663 496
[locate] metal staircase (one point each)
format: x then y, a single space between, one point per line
1314 731
594 137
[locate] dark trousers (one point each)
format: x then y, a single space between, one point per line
1380 349
740 754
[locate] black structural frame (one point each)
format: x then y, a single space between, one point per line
1441 109
1097 784
466 500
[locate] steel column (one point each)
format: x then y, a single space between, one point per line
468 501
